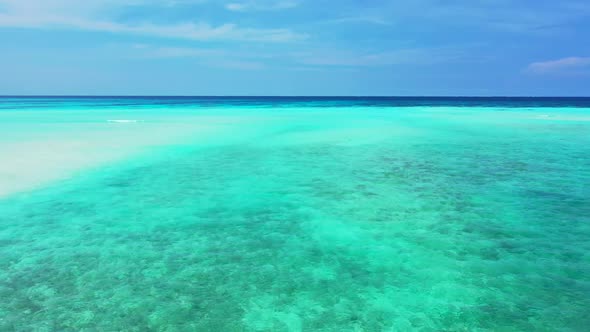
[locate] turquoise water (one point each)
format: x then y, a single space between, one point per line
287 216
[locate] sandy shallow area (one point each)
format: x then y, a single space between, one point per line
40 148
52 153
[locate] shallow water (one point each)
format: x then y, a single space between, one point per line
279 216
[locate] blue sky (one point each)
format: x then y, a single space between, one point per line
295 47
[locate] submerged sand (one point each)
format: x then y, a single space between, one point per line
295 219
40 154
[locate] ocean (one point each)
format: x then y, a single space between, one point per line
294 214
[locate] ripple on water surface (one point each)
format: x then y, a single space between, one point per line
361 221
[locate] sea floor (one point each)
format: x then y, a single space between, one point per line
295 219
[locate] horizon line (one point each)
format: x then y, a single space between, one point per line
273 96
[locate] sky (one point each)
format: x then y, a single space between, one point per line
295 47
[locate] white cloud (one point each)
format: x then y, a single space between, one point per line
180 52
502 15
260 5
213 57
413 56
357 19
564 65
89 15
236 6
238 64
